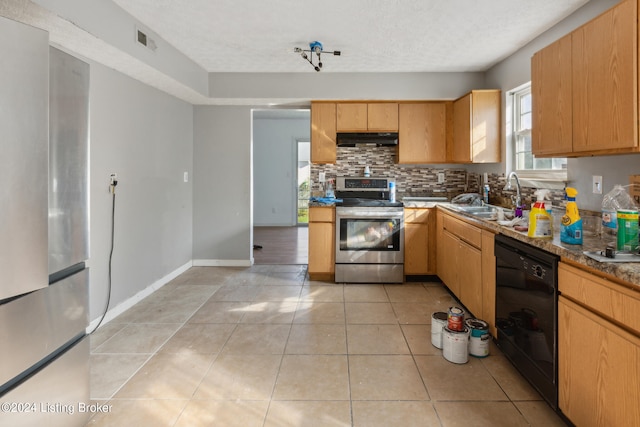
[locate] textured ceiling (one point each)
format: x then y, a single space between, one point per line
373 35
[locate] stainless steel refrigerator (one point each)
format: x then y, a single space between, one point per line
44 313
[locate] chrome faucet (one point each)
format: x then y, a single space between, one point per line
508 187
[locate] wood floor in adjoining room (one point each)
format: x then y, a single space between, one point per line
281 245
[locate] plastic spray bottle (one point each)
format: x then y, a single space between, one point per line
540 222
571 230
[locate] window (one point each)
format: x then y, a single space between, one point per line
526 164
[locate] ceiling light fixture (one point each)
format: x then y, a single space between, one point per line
314 47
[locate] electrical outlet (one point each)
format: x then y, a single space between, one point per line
597 184
186 177
321 177
440 177
113 181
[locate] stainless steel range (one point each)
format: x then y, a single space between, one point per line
369 232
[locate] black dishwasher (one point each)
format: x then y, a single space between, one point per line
527 312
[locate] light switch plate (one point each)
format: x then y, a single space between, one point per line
321 176
440 177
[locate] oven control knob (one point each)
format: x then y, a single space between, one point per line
538 271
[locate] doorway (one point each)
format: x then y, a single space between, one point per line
303 188
280 188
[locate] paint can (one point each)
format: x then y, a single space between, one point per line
455 345
438 321
455 319
478 337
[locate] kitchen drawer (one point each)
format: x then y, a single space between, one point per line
416 215
601 295
322 214
464 231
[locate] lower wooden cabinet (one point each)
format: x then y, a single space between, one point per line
466 264
598 369
447 260
469 269
489 280
322 243
419 241
598 349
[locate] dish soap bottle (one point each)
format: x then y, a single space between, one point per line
571 229
485 193
540 222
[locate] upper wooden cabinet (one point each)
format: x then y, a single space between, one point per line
476 128
367 117
382 117
422 131
323 132
464 131
551 98
351 117
604 81
588 80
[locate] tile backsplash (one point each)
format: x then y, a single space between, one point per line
417 180
413 180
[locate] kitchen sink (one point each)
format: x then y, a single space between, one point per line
475 209
485 214
484 211
425 199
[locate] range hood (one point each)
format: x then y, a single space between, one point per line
357 138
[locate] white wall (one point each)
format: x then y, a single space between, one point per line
275 171
516 70
222 209
107 21
222 186
306 86
145 136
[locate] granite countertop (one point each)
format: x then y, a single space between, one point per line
314 204
420 204
417 204
625 271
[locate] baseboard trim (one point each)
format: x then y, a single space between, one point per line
130 302
222 263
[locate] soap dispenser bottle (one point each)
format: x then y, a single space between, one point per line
540 222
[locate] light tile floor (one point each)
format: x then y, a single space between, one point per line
264 346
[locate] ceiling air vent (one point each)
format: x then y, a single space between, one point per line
144 40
